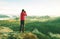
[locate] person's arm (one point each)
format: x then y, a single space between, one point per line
25 13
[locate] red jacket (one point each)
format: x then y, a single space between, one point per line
23 14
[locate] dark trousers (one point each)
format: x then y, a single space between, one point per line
22 26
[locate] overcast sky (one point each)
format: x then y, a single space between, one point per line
32 7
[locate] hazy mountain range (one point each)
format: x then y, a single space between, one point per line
7 16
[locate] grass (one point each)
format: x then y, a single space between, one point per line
33 29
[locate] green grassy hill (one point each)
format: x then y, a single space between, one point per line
37 29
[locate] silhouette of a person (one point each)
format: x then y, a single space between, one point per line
22 17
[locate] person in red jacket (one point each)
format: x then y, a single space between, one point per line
22 17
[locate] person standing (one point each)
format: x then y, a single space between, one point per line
22 17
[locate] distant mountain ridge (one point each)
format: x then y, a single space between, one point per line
7 16
4 16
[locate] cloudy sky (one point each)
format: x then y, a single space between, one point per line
32 7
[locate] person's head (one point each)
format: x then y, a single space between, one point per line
22 10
